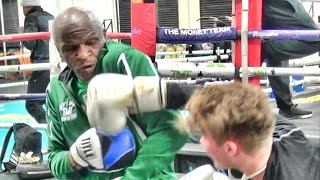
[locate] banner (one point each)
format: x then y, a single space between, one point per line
189 36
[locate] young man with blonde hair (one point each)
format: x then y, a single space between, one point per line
239 131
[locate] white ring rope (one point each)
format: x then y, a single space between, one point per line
304 62
312 79
30 67
7 85
271 71
198 52
14 57
25 67
195 59
228 70
173 69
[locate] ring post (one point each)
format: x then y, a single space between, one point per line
255 13
143 26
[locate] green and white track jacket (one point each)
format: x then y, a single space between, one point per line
67 120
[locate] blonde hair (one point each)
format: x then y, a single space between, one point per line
232 111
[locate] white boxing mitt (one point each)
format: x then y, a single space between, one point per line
147 95
108 96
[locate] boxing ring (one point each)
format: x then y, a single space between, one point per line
181 68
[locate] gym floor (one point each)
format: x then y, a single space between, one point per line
309 99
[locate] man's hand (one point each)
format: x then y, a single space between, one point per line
108 96
99 151
111 97
21 29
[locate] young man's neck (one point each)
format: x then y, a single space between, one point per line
257 162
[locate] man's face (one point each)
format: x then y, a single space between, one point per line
218 153
81 53
26 9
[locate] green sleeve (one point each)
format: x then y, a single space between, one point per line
159 149
58 158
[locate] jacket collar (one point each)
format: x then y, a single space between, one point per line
34 9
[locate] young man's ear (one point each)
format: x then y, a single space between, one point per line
231 148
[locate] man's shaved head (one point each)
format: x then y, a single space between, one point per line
79 37
75 22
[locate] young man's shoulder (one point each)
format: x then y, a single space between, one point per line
291 149
285 131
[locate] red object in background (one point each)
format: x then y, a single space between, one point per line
143 26
254 45
24 37
118 35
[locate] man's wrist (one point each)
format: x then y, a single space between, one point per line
74 165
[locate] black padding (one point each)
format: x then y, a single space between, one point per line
178 94
34 171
